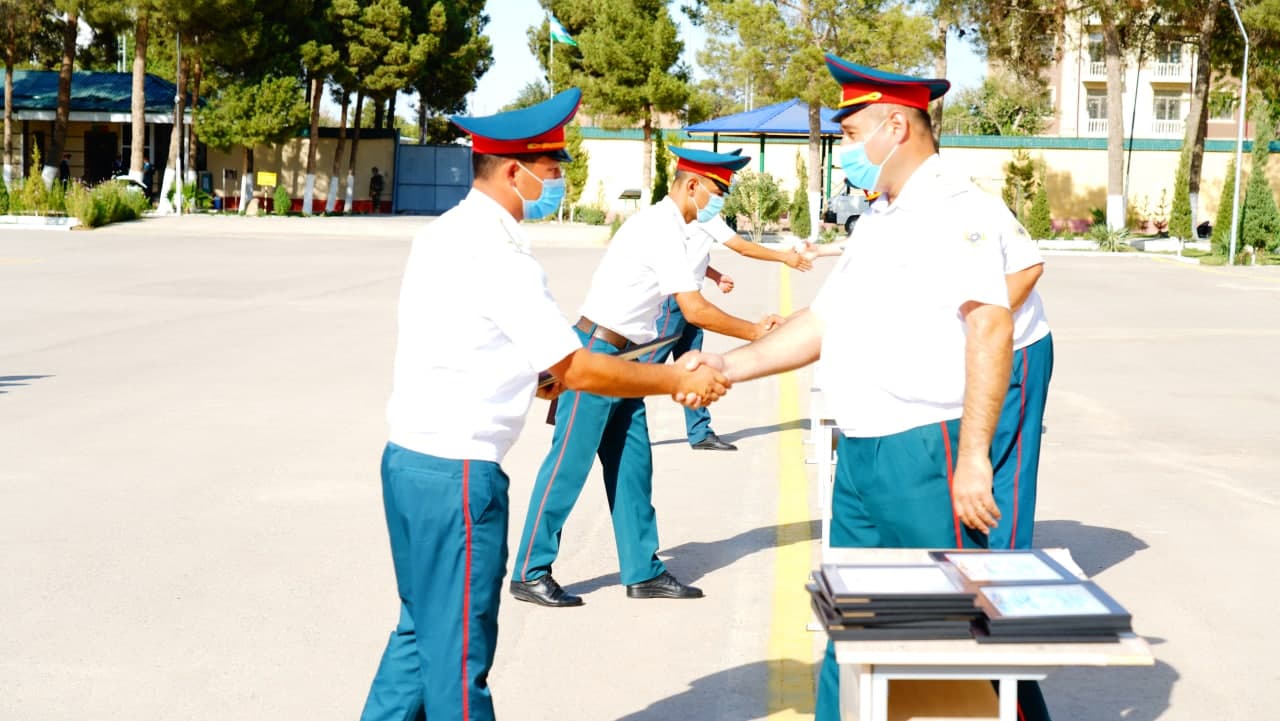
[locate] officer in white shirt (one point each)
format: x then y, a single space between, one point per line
646 262
700 238
914 333
1015 450
463 383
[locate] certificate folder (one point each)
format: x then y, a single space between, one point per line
980 568
1078 606
917 584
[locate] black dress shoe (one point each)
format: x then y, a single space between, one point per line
544 591
664 585
713 443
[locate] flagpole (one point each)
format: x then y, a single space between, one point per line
551 59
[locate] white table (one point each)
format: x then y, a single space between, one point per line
867 668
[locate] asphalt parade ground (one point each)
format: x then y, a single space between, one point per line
191 418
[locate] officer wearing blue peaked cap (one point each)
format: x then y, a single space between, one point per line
716 167
467 367
913 336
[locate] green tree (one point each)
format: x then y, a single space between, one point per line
1002 105
1259 217
4 197
1019 182
19 22
1220 241
531 94
575 171
627 62
758 197
1040 221
798 212
453 66
662 169
1180 219
776 49
267 112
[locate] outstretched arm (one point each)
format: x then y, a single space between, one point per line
602 374
747 249
702 313
795 344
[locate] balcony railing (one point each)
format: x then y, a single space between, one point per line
1096 126
1170 70
1097 68
1167 127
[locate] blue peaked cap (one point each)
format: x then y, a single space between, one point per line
535 130
861 86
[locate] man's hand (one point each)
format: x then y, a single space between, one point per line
695 358
809 253
725 284
800 261
971 493
700 383
767 324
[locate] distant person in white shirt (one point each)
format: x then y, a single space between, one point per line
464 381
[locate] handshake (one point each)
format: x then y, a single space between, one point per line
702 379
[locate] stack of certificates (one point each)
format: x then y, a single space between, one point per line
865 602
1027 597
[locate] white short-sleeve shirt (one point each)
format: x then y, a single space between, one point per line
646 262
893 349
1020 252
476 326
700 237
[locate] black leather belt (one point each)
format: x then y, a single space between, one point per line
595 330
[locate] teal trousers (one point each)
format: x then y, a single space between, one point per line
616 431
447 520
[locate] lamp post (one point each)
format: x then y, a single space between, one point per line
1244 90
177 127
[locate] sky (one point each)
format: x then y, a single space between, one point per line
514 66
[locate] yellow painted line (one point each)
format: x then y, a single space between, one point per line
1217 270
791 691
19 261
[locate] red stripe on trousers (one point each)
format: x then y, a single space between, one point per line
1022 415
946 443
524 570
466 586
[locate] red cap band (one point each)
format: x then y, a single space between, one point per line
715 172
912 96
547 142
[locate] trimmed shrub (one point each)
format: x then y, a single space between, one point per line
799 208
281 203
661 168
587 214
1180 219
1221 238
1259 217
1039 221
109 202
4 198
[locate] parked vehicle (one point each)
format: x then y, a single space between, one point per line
845 207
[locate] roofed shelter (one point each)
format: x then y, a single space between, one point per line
98 132
789 119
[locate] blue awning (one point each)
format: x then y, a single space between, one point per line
788 118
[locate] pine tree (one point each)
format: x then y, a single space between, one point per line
1040 221
661 163
1221 239
575 172
799 210
1259 217
1180 220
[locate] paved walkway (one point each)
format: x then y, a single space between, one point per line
191 417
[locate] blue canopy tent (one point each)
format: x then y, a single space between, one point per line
789 119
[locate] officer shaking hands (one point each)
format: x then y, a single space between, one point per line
914 335
463 382
646 263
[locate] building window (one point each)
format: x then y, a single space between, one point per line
1096 104
126 143
1170 53
1097 53
1168 106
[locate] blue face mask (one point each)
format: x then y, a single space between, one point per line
857 167
715 203
547 202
